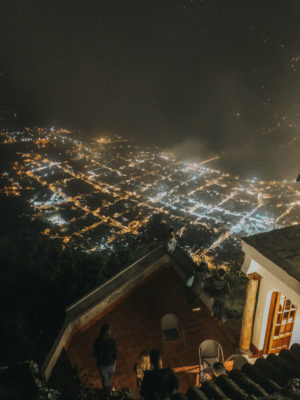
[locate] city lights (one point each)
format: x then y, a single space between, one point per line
98 194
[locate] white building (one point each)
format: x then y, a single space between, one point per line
271 319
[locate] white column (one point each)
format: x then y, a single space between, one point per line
247 323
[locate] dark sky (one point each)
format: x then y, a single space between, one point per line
199 77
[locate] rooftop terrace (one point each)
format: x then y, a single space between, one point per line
135 320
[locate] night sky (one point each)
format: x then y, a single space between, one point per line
197 77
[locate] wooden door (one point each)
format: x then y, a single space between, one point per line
280 324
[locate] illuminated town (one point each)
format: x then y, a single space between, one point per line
98 195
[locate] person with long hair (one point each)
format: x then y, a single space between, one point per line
142 365
105 352
200 273
159 383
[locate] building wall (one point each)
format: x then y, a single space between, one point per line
296 333
269 284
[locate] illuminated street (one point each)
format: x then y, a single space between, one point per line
97 195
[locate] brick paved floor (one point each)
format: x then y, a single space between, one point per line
136 327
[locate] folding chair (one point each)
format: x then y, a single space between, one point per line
172 329
210 352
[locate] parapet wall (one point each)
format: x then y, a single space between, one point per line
184 266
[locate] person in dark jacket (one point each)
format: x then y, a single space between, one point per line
220 290
159 383
105 352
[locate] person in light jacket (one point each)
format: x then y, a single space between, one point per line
171 242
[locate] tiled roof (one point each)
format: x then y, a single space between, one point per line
277 374
282 246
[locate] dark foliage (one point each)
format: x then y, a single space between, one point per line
17 382
38 279
65 379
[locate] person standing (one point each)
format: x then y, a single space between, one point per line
220 290
105 352
141 367
171 242
201 272
159 383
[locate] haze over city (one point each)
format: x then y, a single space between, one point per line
102 194
149 193
203 79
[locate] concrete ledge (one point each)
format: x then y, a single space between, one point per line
184 266
119 292
60 341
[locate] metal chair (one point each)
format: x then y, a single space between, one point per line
210 352
172 329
